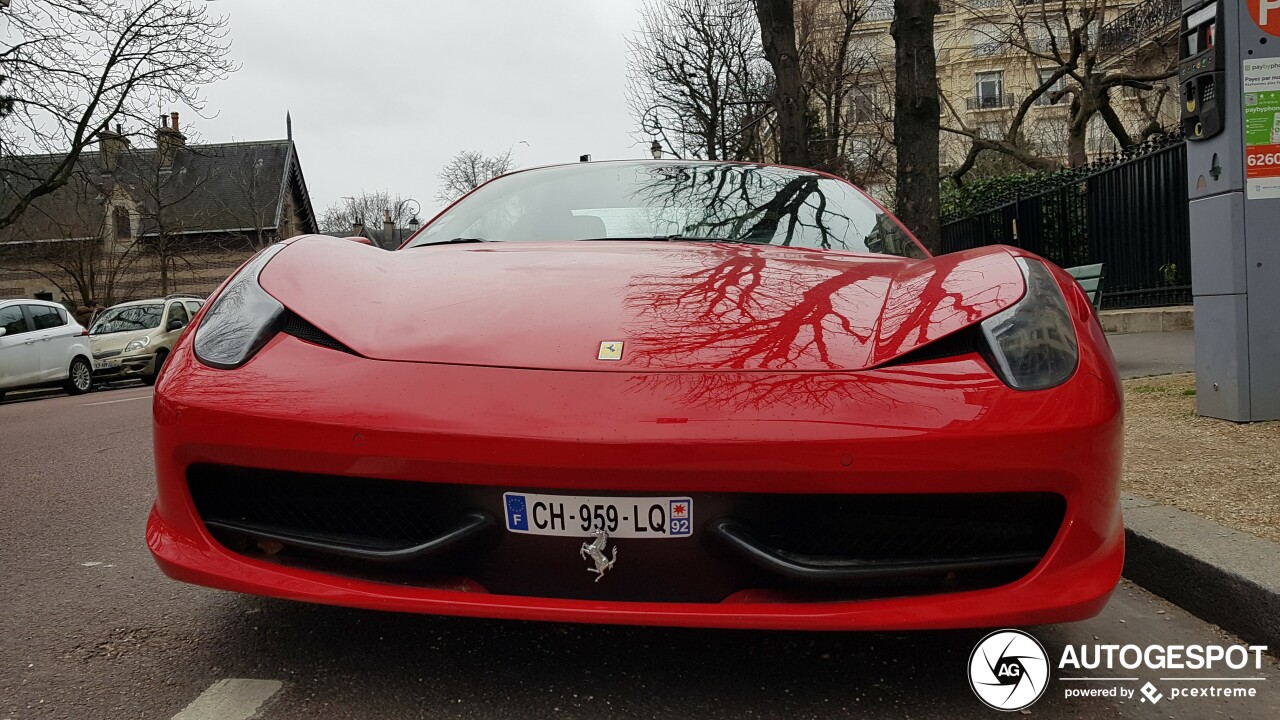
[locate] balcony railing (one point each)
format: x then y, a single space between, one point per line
987 49
989 102
1146 20
878 13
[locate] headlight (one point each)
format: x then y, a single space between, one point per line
1033 343
138 344
241 320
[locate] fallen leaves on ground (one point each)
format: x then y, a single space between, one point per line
1225 471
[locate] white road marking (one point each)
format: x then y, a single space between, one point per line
235 699
108 402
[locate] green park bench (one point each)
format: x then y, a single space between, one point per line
1090 279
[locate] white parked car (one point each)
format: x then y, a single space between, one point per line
42 345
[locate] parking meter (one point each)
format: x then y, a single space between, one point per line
1229 93
1200 71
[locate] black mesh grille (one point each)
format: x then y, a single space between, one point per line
361 512
242 505
296 326
914 528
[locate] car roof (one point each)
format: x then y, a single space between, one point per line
152 301
31 301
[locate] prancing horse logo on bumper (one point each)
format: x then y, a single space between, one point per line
596 551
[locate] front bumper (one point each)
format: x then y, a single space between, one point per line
133 365
941 427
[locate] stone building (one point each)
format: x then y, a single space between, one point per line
141 222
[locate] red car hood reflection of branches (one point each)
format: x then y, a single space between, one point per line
752 308
676 306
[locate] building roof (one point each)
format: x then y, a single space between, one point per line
205 189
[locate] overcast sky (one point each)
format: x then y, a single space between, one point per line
384 92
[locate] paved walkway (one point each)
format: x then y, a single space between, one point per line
1154 353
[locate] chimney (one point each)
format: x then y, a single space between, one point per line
110 145
357 228
168 139
388 231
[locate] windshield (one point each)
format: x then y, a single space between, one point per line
678 201
124 319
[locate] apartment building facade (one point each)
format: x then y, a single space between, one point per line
991 54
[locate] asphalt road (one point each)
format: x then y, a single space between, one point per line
91 629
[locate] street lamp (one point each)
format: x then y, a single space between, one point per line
656 149
413 214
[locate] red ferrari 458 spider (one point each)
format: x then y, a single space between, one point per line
663 393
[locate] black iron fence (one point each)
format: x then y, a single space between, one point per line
1128 212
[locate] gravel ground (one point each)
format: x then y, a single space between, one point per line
1217 469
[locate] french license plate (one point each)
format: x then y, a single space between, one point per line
105 364
580 515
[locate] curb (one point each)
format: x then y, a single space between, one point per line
1221 575
1141 320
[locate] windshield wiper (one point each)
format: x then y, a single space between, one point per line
455 241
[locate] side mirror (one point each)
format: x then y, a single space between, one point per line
362 240
176 325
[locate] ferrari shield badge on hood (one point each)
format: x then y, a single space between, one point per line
610 350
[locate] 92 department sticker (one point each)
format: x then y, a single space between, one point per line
581 515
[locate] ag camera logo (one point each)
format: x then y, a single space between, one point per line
1008 670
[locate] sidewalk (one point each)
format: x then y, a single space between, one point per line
1209 468
1221 575
1154 353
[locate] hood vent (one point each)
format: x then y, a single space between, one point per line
963 342
296 326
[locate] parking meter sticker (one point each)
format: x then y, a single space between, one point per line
1261 104
1262 161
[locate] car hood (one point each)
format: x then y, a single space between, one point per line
674 306
115 341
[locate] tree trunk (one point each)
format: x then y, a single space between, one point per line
778 36
1077 132
915 119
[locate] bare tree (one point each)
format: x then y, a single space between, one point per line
71 244
696 80
253 200
778 38
170 228
1080 58
367 209
848 88
76 68
468 170
915 119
